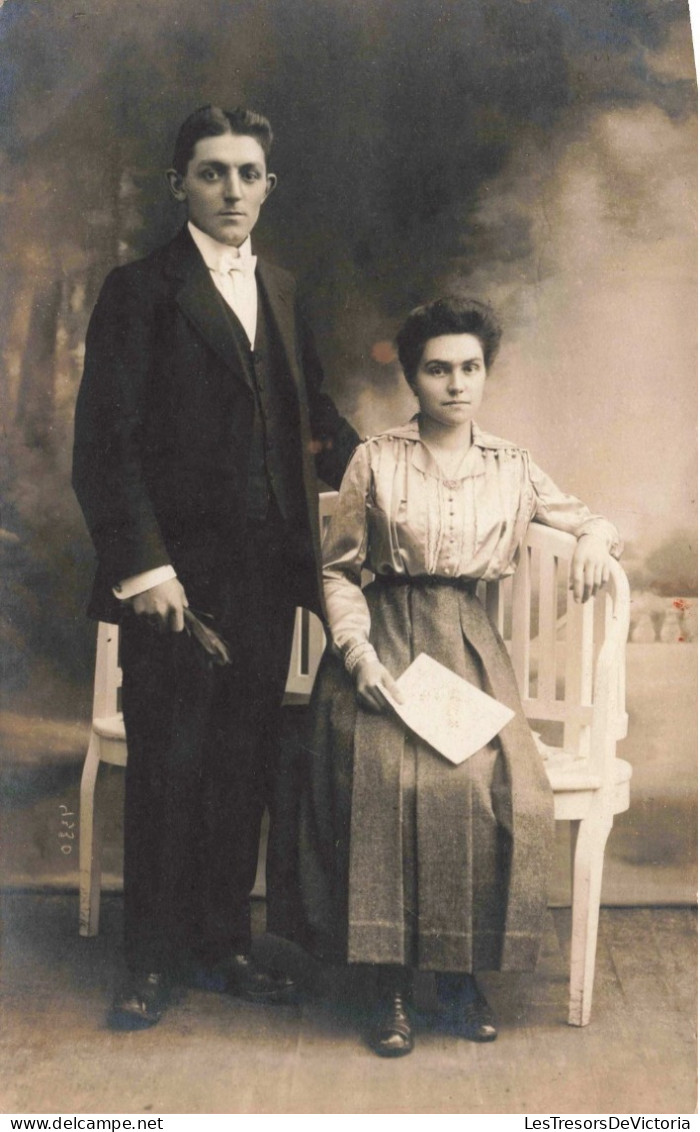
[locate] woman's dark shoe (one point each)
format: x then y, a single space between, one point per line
392 1035
463 1008
477 1022
141 1003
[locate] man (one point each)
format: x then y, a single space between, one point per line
200 427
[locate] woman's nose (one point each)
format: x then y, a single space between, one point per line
456 382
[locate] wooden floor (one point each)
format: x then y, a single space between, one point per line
215 1055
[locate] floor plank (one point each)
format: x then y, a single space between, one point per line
212 1054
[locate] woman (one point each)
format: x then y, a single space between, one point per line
408 861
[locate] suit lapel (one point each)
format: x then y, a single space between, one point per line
202 304
280 296
280 299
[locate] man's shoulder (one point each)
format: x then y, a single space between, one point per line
152 263
147 280
131 282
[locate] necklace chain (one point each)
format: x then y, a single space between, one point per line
449 467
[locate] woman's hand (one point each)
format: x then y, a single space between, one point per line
370 675
589 567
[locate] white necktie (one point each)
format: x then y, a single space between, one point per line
244 265
236 281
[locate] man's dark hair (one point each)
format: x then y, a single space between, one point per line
448 315
211 122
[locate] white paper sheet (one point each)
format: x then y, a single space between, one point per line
450 714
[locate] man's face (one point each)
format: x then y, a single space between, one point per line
224 187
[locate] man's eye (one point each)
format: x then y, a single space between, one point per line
209 175
251 175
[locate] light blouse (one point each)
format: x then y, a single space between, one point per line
397 513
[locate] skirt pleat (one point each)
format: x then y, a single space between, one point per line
404 857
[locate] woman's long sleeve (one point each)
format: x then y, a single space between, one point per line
344 553
555 508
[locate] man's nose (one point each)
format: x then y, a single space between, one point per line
232 185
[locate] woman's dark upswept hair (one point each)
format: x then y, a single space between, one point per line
448 315
211 122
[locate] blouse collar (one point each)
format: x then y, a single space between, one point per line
424 461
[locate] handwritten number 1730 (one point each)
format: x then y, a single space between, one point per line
66 834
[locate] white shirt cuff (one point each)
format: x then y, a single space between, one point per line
139 583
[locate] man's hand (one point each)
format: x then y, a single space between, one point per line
163 606
371 675
589 567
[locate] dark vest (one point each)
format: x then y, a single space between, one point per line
275 468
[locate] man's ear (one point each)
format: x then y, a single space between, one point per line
271 182
175 185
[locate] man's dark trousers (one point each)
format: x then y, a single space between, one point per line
203 764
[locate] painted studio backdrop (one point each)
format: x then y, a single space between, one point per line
539 154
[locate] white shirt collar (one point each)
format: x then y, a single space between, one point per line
212 250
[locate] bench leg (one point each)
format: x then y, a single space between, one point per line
90 865
588 839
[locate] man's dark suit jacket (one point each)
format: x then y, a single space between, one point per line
164 422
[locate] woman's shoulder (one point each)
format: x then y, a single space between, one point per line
405 432
375 444
488 440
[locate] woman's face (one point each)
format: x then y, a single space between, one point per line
449 381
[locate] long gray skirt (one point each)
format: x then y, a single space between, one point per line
404 857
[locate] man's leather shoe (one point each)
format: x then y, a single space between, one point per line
140 1004
238 975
